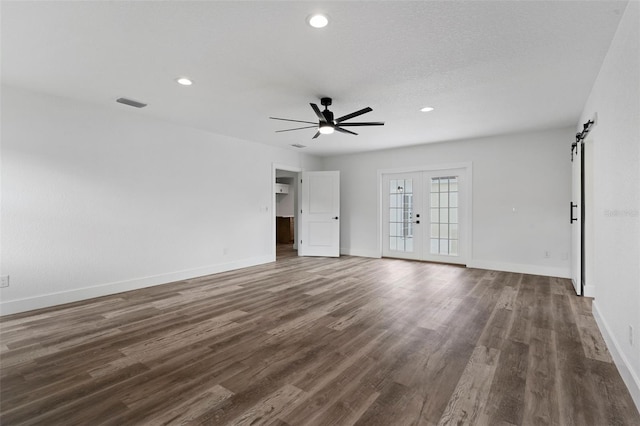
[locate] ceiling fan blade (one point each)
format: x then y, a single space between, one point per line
370 123
296 121
353 114
339 129
316 135
318 113
297 128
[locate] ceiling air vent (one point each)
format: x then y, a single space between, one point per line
131 102
297 145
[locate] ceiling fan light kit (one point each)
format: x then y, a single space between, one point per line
325 129
327 124
184 81
318 20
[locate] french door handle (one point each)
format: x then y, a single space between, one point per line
573 206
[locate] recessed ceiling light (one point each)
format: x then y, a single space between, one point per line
184 81
318 20
427 109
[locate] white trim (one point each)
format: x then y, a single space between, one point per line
589 290
47 300
619 359
360 252
546 271
426 168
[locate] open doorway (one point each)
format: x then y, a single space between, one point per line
286 188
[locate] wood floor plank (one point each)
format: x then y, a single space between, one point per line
315 341
270 407
468 401
593 343
541 394
194 407
506 399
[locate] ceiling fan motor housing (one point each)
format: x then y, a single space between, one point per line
328 115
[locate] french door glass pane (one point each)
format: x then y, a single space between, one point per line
453 247
453 199
444 215
453 231
444 199
453 215
401 215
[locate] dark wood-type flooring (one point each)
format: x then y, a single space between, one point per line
315 341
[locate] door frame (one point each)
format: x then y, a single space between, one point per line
274 168
589 217
468 166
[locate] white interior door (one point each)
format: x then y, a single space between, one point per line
576 220
320 214
425 215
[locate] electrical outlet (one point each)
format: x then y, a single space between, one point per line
631 335
4 281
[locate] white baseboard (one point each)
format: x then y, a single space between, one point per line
361 253
52 299
629 376
547 271
589 290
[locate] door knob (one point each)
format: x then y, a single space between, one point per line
335 218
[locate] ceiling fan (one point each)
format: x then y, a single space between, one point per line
327 124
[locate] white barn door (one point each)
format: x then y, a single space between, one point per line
320 214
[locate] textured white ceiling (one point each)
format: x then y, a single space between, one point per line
488 67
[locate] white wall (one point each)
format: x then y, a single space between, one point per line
101 199
531 172
615 230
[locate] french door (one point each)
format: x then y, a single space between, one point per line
424 215
402 216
